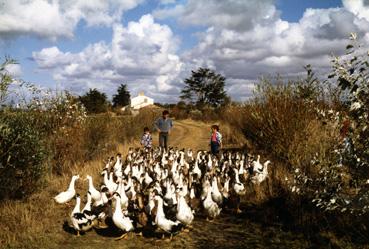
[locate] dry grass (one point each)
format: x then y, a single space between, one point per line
39 219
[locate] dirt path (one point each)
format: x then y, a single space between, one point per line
188 134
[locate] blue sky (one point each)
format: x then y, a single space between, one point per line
152 45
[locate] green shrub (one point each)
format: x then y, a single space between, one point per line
22 155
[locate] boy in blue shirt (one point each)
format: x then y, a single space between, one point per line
164 124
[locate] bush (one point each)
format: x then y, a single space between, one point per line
22 155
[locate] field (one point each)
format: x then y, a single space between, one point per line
41 223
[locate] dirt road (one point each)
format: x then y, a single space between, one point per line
188 134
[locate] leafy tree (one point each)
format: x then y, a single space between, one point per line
205 87
94 101
339 181
123 97
352 73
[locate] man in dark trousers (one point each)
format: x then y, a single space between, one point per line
164 124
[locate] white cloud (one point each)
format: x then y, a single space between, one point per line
14 70
359 7
243 40
142 54
164 2
230 14
273 46
58 18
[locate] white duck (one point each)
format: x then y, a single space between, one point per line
257 166
95 194
238 187
119 219
211 207
147 179
184 212
118 166
215 193
122 193
196 170
79 220
225 191
260 177
109 182
66 196
210 163
161 221
118 163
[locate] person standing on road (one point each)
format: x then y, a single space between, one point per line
164 124
215 140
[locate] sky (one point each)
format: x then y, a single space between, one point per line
153 45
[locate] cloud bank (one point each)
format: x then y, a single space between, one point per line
243 40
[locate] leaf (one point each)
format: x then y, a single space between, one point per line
343 83
349 46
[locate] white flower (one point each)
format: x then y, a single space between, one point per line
353 36
355 106
333 201
297 170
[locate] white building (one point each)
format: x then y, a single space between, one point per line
141 101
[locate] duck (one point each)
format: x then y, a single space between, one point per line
195 203
109 182
118 163
123 197
79 220
238 187
211 208
120 220
196 170
102 208
215 193
118 166
184 212
260 177
143 218
225 190
67 195
162 222
95 194
108 163
257 166
147 179
210 162
87 209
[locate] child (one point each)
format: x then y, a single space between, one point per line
146 139
215 140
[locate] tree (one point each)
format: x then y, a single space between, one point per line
94 101
5 79
205 87
123 97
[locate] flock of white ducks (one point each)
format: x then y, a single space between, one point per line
164 190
